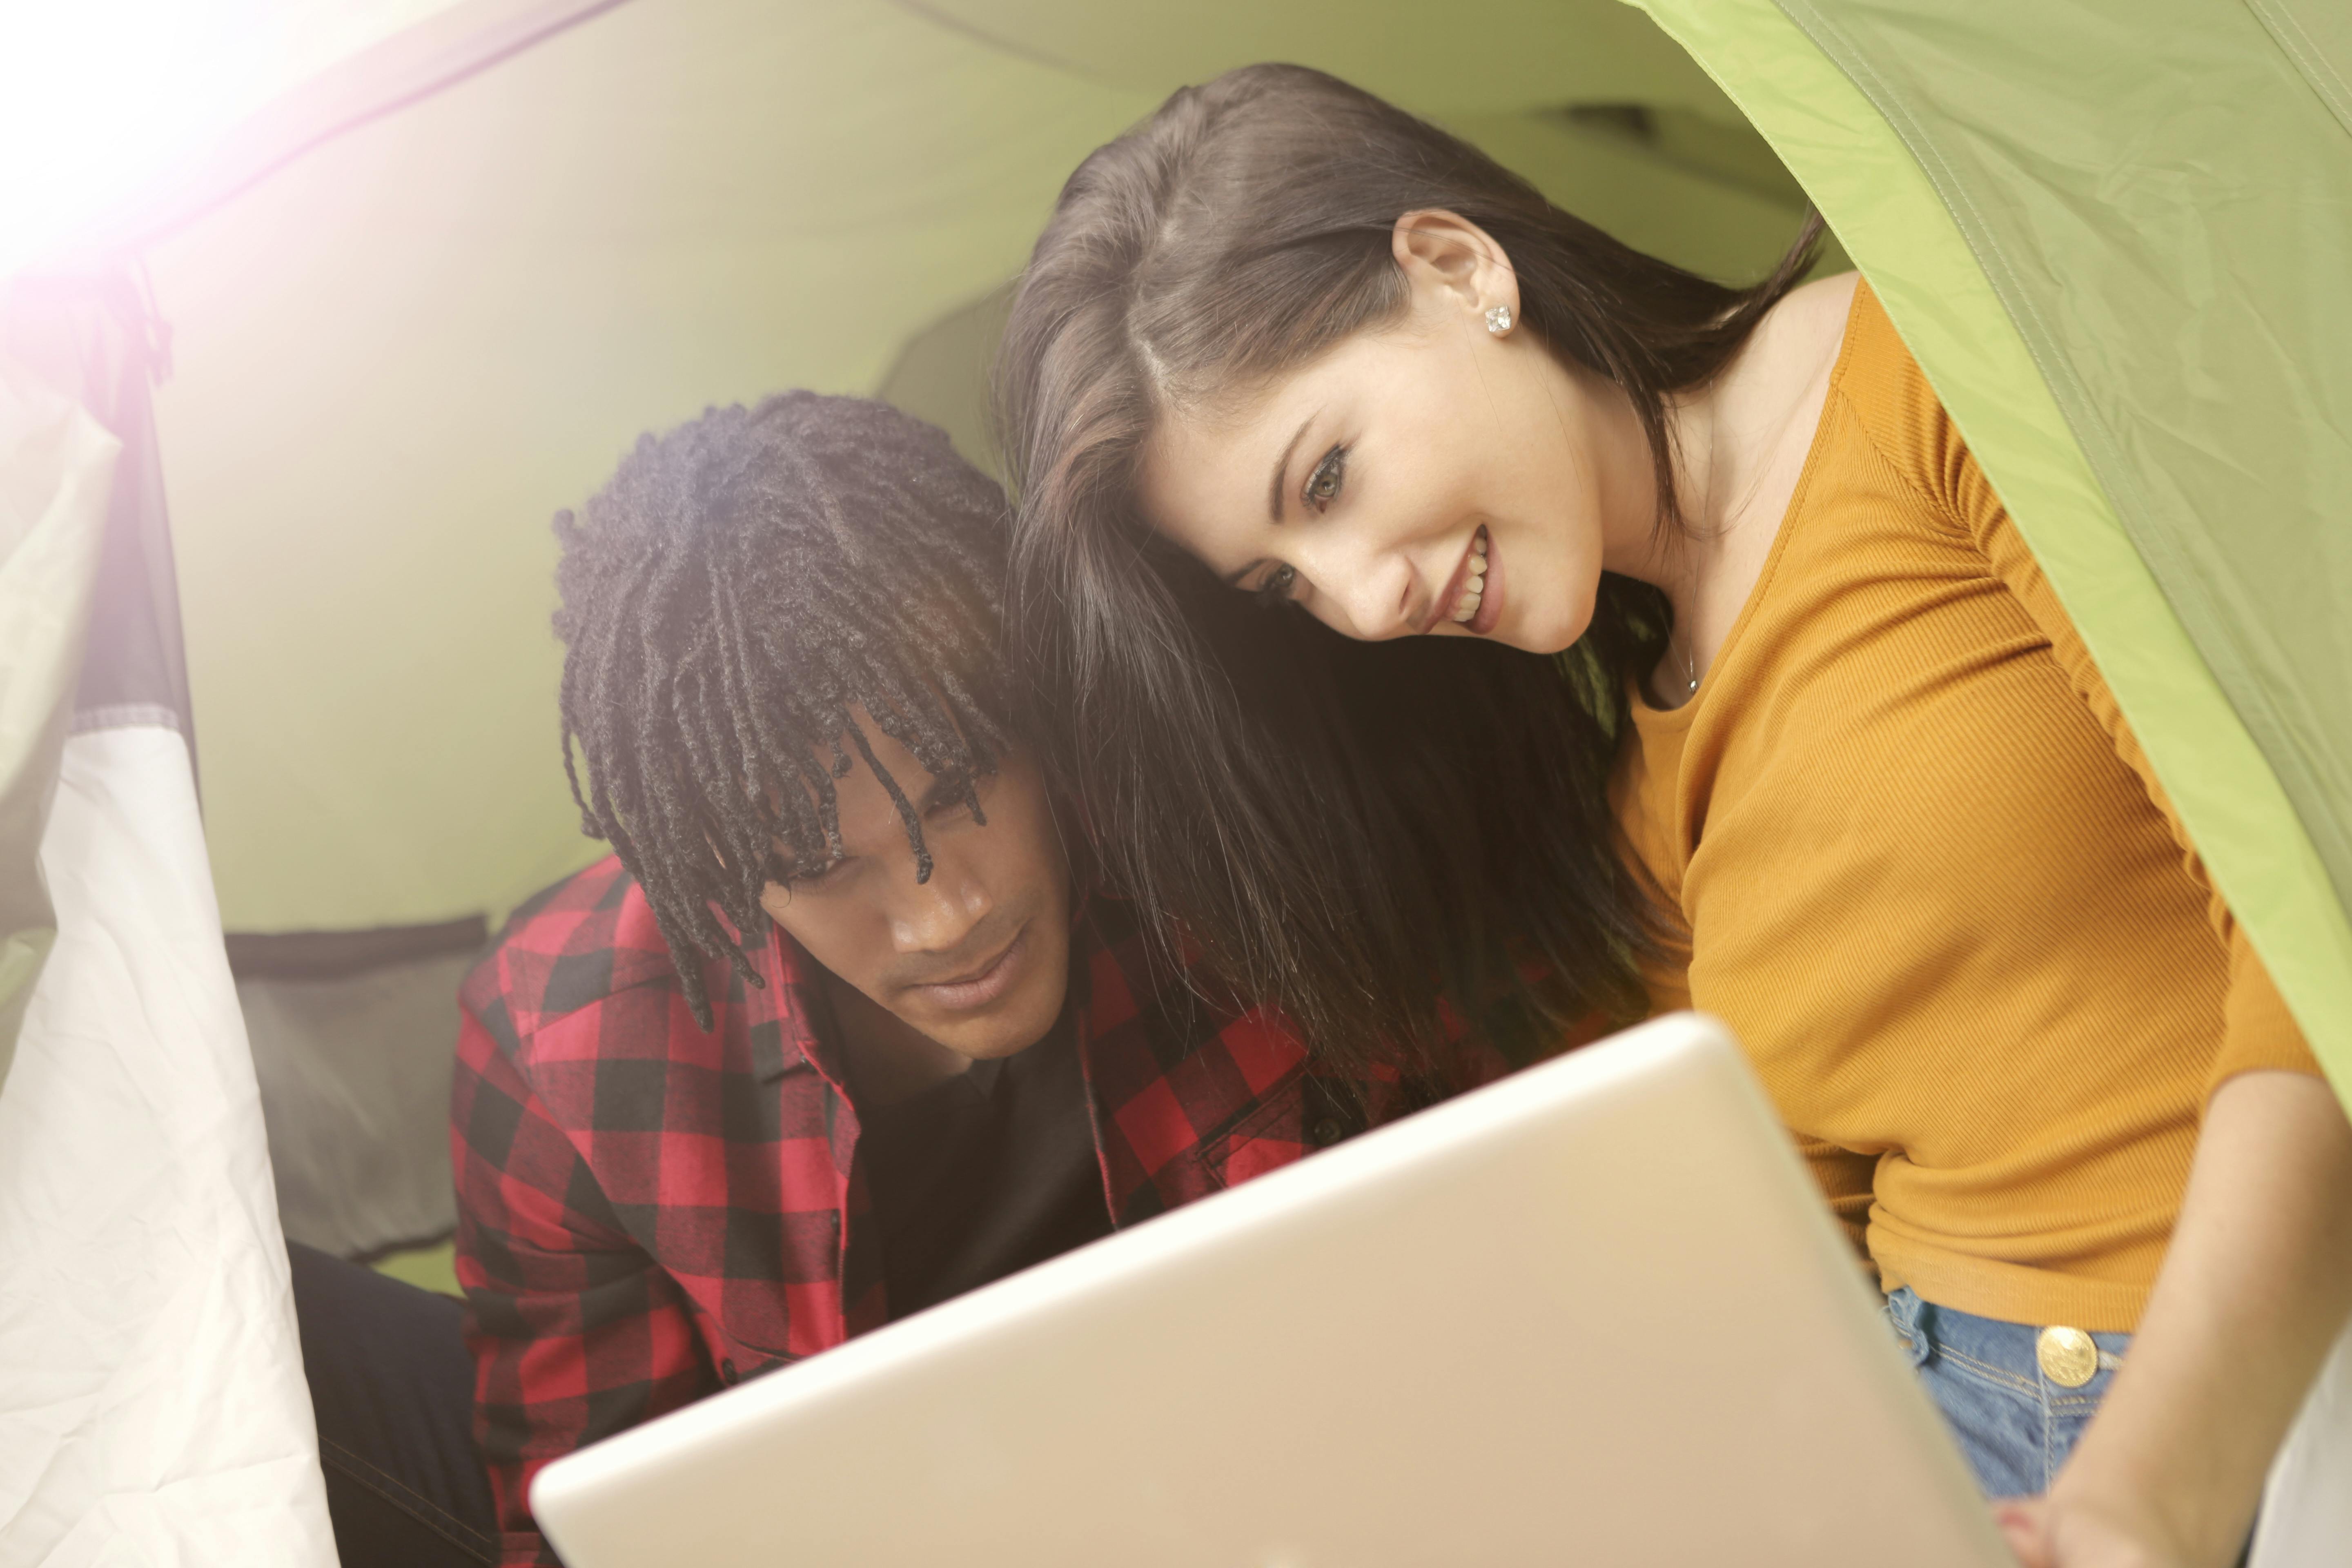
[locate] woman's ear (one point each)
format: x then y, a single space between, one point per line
1453 265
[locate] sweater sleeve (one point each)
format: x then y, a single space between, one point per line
2258 1032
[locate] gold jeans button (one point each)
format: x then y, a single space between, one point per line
2068 1356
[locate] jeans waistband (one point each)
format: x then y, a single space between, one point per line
1992 1346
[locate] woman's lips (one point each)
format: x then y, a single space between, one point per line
982 987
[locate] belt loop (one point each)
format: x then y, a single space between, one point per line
1907 1315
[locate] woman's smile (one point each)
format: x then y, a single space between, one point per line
1459 602
1487 614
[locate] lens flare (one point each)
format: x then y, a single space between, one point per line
110 107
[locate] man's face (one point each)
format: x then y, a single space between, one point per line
977 958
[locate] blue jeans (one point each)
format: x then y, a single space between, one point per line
2014 1424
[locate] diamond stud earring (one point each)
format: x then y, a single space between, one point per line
1498 319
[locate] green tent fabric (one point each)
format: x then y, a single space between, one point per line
400 354
2117 237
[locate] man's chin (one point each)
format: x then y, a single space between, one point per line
990 1039
1015 1023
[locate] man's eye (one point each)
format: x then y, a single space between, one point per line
1323 483
1275 589
815 876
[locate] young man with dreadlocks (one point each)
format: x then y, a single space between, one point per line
841 1029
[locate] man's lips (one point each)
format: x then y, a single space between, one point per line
978 987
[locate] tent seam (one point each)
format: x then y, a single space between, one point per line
2283 25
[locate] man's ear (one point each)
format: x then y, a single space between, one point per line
1453 265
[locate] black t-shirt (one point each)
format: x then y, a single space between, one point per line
984 1174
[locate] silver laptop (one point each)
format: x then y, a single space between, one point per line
1595 1314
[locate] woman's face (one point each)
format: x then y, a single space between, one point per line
1431 478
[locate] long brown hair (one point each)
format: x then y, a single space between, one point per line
1352 830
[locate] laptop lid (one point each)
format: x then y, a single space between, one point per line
1595 1313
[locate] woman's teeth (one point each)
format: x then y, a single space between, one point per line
1476 588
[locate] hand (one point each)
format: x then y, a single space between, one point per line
2060 1532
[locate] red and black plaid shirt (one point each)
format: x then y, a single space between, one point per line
648 1213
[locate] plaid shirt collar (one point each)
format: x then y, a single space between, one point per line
781 1017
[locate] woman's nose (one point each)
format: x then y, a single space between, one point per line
937 915
1375 594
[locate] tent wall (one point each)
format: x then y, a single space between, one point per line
354 1040
120 120
1470 57
401 354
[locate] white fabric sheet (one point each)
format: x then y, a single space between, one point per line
2308 1509
152 1409
57 473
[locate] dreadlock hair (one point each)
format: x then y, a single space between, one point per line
742 585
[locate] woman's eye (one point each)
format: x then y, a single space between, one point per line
815 876
1323 483
1275 589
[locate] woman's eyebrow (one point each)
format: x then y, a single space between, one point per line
1281 468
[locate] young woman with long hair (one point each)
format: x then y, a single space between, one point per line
1458 602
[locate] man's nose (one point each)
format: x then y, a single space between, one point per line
937 915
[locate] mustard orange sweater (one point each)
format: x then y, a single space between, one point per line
1929 879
